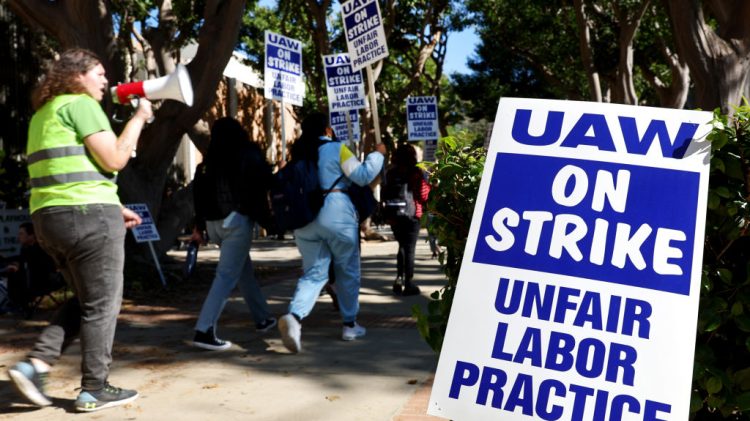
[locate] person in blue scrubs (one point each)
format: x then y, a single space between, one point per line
334 234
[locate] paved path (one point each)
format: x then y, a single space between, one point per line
384 376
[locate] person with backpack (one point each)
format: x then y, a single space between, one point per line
404 197
333 234
230 194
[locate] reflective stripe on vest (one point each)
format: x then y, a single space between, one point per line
72 177
61 152
56 153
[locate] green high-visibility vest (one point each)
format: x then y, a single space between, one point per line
61 172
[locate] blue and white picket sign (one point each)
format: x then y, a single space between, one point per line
339 126
365 35
422 118
283 69
430 147
10 222
346 88
578 294
146 232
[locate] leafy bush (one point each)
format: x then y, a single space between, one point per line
721 376
459 169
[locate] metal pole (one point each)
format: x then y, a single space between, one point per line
156 261
268 126
350 130
232 100
373 103
283 132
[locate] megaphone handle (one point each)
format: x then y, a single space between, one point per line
134 101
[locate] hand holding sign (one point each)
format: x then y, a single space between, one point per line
131 218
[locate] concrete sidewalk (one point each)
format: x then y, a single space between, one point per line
384 376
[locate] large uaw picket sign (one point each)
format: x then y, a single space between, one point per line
578 295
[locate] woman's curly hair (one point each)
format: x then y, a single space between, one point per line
61 76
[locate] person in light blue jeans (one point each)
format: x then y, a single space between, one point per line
334 234
234 235
229 193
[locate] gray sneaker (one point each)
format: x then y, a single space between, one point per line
107 397
291 332
30 383
352 333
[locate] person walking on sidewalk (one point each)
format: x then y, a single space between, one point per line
73 156
230 195
334 234
405 194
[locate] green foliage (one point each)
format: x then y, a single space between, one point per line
459 169
545 60
721 376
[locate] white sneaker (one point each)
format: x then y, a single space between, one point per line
352 333
291 332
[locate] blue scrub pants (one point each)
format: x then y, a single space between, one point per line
333 234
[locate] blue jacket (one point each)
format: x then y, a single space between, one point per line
334 159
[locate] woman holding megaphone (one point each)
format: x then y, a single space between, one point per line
73 156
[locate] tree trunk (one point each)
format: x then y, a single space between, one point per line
144 178
317 14
675 94
73 23
718 63
624 88
584 40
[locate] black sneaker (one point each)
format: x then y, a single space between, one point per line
397 286
266 325
30 383
107 397
208 340
410 289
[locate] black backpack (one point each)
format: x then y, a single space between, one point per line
296 196
396 199
211 194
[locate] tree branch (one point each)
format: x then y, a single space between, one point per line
584 43
42 13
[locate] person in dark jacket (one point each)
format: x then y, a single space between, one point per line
404 171
230 195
